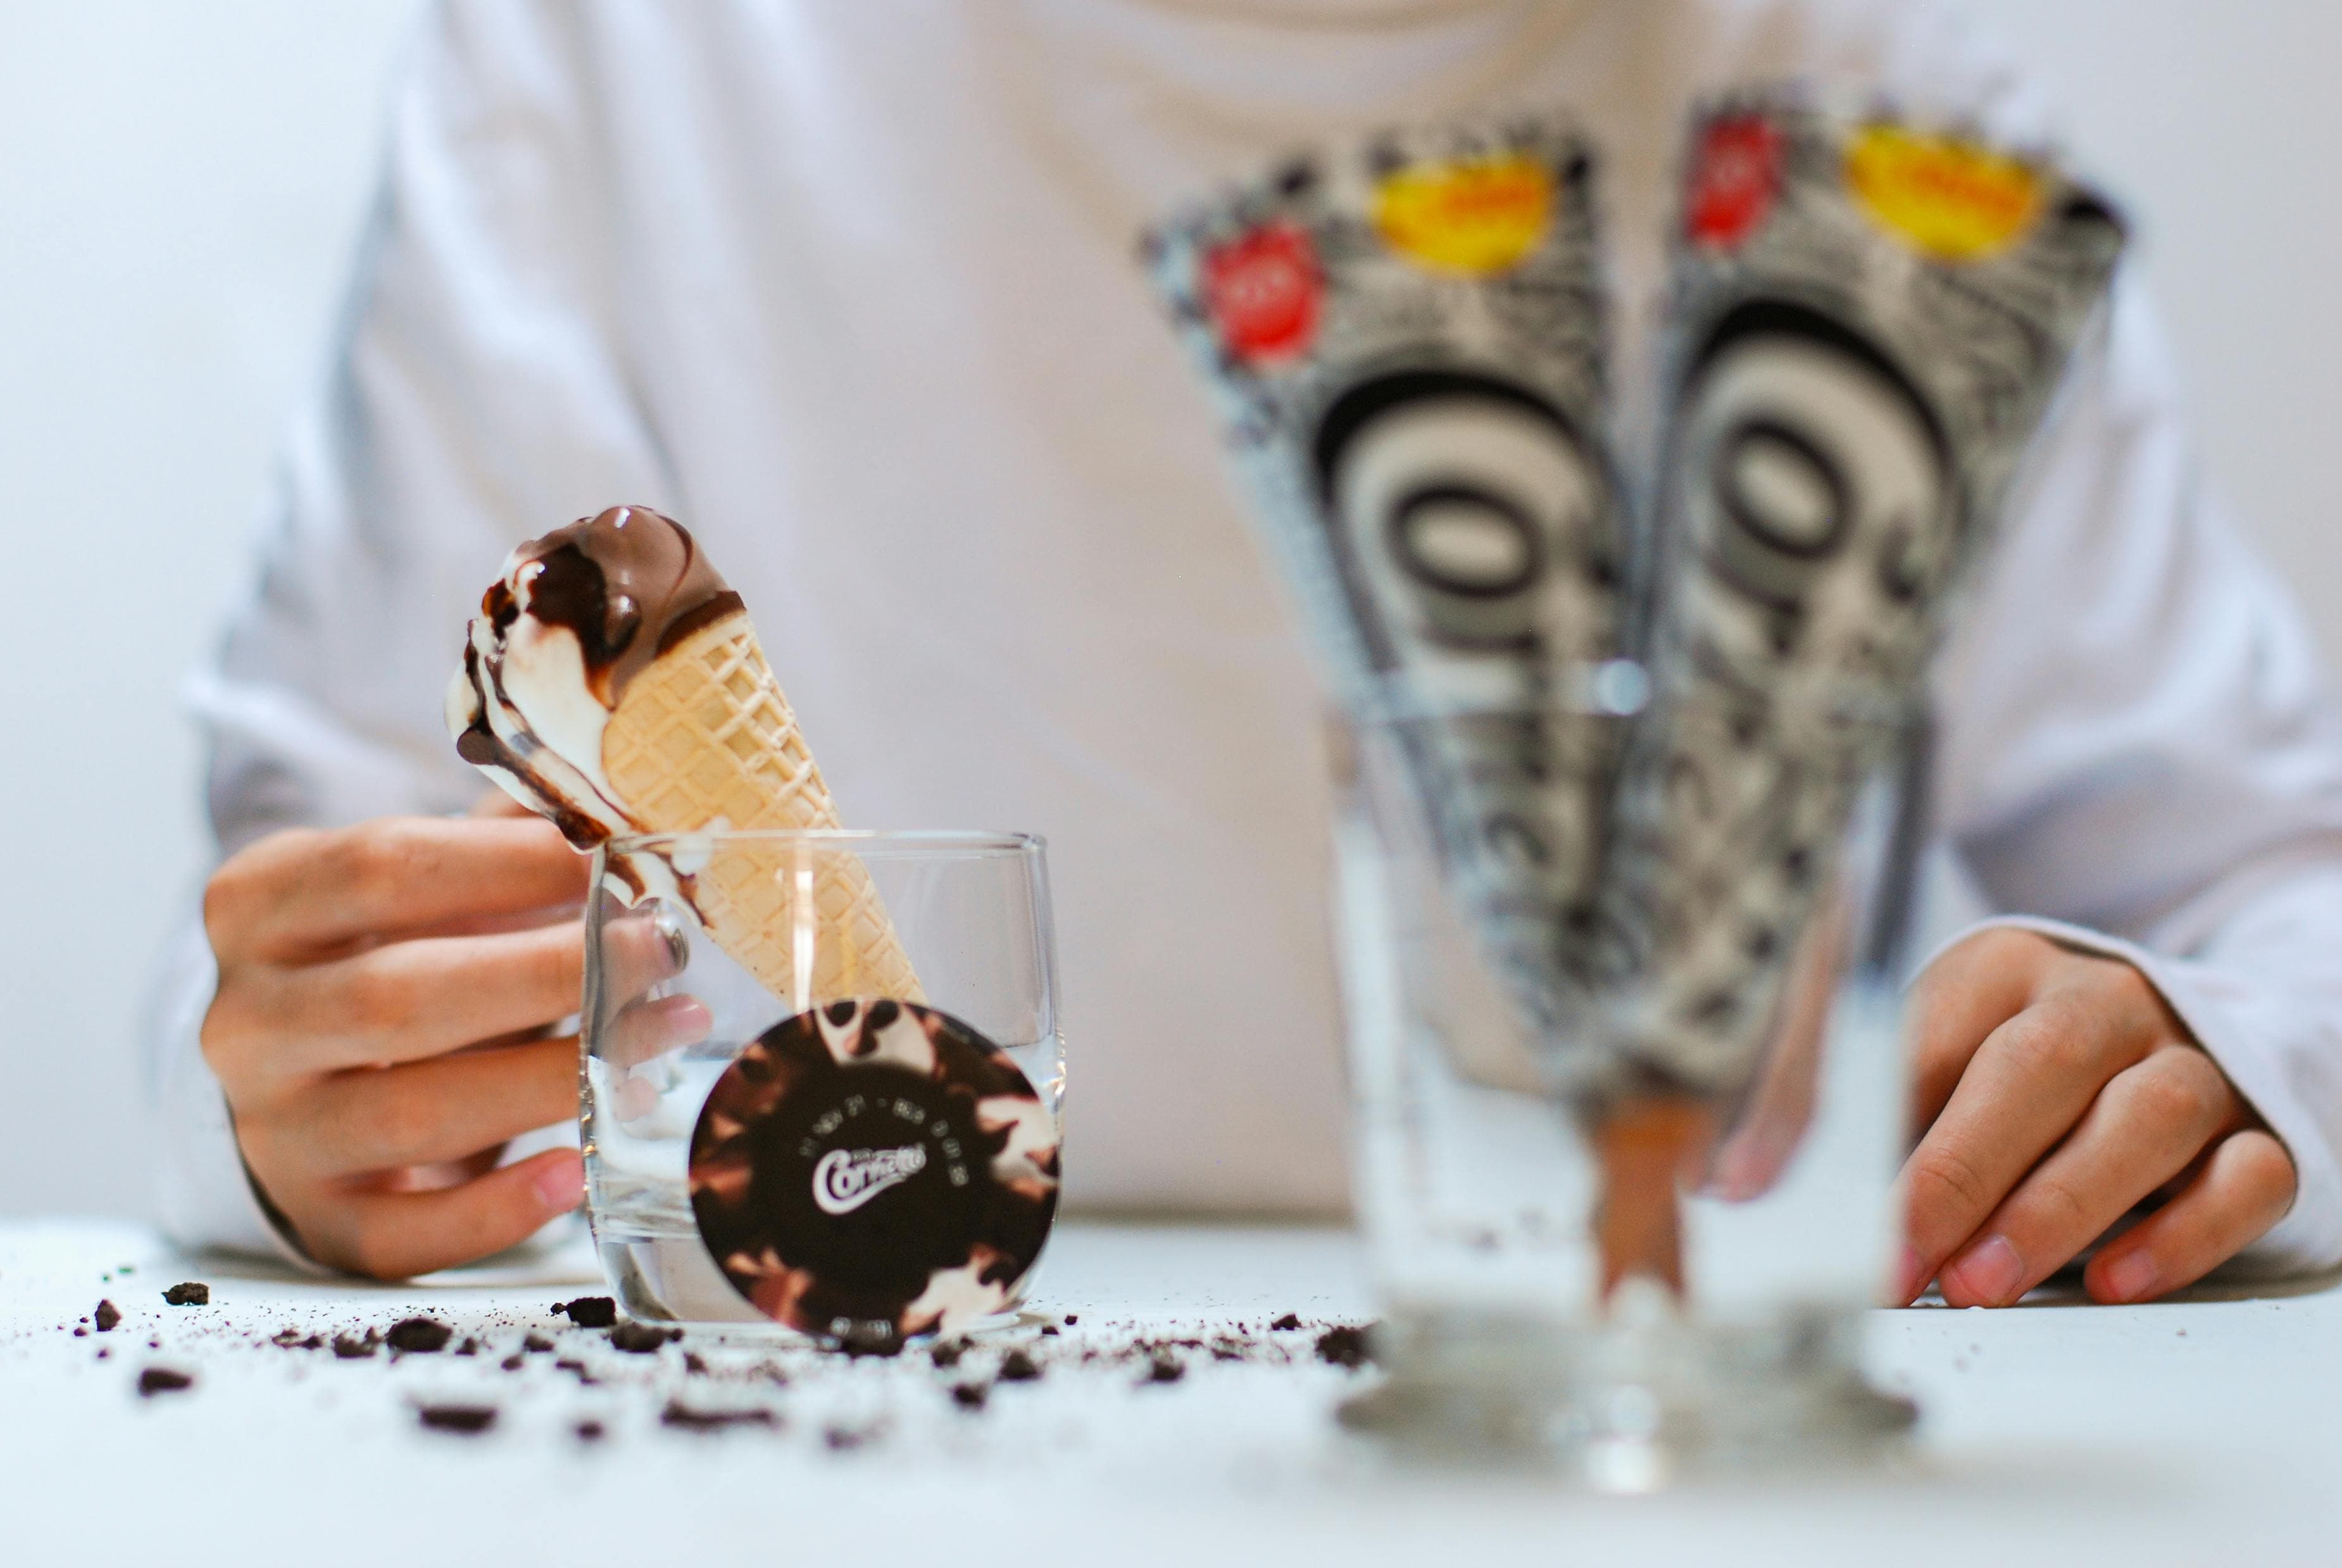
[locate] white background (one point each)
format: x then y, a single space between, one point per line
180 186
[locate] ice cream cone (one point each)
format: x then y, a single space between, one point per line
703 738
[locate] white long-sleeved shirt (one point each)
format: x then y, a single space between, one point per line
850 289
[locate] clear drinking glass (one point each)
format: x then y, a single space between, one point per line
1477 1163
710 957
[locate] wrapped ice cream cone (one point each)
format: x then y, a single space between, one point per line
1866 320
1405 338
613 683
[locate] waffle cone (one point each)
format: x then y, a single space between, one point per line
705 738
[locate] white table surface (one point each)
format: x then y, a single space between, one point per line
2199 1432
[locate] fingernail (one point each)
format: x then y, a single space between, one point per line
1739 1174
2132 1276
562 1184
1910 1277
1989 1271
678 945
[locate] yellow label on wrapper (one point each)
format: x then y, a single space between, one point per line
1949 199
1474 216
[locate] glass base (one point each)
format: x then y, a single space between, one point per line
671 1278
1644 1400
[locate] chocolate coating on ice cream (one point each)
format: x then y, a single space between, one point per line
630 584
574 618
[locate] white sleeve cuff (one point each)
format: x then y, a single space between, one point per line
205 1195
2246 1027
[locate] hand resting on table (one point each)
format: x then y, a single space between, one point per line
2052 1092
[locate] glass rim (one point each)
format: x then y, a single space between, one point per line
1620 691
862 840
1610 689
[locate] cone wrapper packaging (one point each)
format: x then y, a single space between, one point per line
1406 342
1866 320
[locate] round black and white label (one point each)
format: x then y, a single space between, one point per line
872 1170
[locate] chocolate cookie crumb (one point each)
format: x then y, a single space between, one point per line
844 1439
642 1338
680 1414
1287 1324
693 1363
189 1293
349 1349
970 1395
537 1344
470 1347
81 1334
1049 1330
589 1312
1345 1344
1163 1369
157 1380
107 1316
419 1337
945 1352
1018 1367
1072 1318
470 1420
511 1362
589 1432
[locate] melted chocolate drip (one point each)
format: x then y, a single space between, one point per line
483 748
629 584
566 589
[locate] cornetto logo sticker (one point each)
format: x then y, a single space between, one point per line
1948 199
872 1170
1262 292
845 1179
1471 215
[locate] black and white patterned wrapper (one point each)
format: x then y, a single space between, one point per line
1405 338
1866 320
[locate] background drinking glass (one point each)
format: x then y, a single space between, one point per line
1478 1171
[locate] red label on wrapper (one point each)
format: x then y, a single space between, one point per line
1734 181
1262 291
